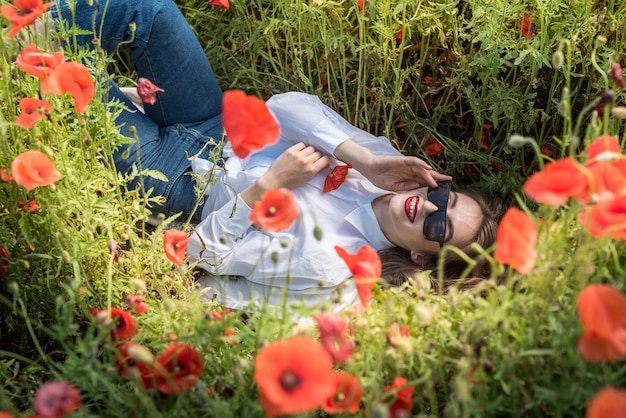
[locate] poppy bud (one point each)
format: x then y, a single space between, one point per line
488 366
516 141
275 257
317 233
607 97
14 288
140 354
132 26
619 112
557 59
600 40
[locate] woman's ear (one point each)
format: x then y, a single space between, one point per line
417 257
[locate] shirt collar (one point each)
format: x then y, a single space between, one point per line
364 220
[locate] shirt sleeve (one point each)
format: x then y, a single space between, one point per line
304 118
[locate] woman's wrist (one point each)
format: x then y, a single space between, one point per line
354 154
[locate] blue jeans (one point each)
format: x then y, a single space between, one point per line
185 117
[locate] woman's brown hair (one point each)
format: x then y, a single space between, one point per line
398 266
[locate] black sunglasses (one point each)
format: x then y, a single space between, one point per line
435 223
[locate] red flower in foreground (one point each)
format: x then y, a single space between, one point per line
607 218
366 267
248 123
175 245
336 178
222 4
558 181
56 399
33 169
609 402
147 90
602 313
603 148
333 336
136 303
32 111
72 78
133 359
4 261
403 402
39 64
23 13
123 326
347 396
526 25
516 241
276 210
294 376
178 369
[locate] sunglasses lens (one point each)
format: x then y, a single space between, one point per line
439 196
435 227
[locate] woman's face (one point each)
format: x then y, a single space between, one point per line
404 223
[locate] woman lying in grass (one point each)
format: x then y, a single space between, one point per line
393 203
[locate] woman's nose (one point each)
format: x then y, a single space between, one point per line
429 207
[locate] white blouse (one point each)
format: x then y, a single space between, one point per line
248 265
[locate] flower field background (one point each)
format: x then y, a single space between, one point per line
523 99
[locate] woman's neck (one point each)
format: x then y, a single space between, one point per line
380 206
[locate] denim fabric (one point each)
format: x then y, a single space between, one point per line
164 50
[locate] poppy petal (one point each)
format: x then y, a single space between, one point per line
336 178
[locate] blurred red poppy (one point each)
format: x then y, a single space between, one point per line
123 326
32 111
483 136
602 313
608 402
175 245
605 181
332 329
178 369
276 210
56 399
433 147
516 241
37 63
403 400
601 145
33 169
366 267
607 218
135 360
72 78
399 33
336 178
347 395
23 13
248 123
222 4
526 26
293 375
136 303
558 181
4 261
615 74
395 334
147 90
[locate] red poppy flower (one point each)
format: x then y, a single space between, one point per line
526 25
32 111
609 402
399 33
23 13
175 245
248 123
360 5
72 78
403 401
602 313
606 218
4 261
123 326
29 207
599 147
136 303
605 181
33 169
395 335
333 336
147 90
276 210
293 375
433 147
516 241
56 399
37 63
615 74
558 181
6 415
178 369
366 267
135 360
336 178
222 4
347 395
484 136
4 176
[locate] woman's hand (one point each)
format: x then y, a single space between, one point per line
394 173
294 167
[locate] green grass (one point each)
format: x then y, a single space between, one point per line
497 350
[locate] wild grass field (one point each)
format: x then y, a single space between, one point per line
96 320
